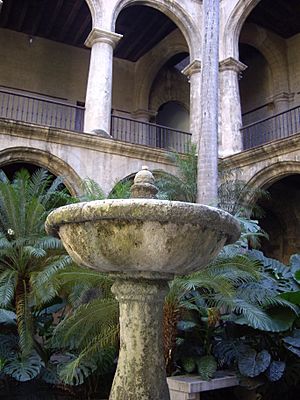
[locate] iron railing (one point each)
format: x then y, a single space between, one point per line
278 126
145 133
42 112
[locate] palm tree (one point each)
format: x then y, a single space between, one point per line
28 257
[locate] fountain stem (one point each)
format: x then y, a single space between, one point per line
141 369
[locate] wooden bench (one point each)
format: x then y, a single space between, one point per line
189 387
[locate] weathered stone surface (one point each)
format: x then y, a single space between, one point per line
141 371
146 242
189 387
143 186
139 236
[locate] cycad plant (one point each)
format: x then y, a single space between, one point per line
181 187
87 339
28 257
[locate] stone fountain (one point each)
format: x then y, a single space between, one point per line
144 242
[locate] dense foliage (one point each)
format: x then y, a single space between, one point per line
59 322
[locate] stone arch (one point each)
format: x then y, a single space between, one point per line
281 218
45 160
160 101
272 48
96 11
269 175
174 11
149 65
234 25
163 93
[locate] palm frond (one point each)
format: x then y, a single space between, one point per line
7 287
91 190
254 315
88 321
121 190
45 283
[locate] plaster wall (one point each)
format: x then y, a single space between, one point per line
293 46
43 66
123 85
255 87
58 71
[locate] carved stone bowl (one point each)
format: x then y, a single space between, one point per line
146 238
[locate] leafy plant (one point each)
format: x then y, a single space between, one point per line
28 257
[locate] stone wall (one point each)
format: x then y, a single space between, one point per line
77 156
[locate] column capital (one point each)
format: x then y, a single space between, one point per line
231 64
101 36
193 68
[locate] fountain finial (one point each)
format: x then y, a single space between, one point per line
144 185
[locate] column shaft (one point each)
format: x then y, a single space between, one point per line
193 72
99 87
141 369
230 137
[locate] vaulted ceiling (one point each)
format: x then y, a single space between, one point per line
143 27
69 21
66 21
279 16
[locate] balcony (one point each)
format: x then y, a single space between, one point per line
61 115
145 133
266 130
39 111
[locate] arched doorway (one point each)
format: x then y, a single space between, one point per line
150 40
174 115
281 218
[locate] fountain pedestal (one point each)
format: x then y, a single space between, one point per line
144 242
141 369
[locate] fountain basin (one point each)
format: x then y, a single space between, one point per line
143 237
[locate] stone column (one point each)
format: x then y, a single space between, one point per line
99 87
193 72
207 179
141 372
230 138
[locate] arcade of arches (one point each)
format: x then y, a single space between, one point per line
86 68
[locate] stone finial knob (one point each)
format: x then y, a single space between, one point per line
143 186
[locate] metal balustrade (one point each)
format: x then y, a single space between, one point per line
153 135
42 112
278 126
